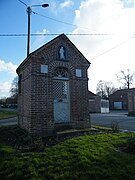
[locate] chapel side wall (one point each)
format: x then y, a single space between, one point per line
79 103
24 99
79 91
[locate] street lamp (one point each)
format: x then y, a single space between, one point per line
28 35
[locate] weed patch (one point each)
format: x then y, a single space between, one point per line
7 114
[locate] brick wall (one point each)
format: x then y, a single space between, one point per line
95 105
119 96
125 96
131 102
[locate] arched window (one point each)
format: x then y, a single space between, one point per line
61 72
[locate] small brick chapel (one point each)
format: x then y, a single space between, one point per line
53 88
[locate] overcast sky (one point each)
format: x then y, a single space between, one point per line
109 48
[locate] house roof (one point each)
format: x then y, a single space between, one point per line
122 92
64 38
92 95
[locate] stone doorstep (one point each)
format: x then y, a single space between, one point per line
76 131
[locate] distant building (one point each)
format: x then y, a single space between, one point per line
97 105
131 102
53 88
11 102
2 103
119 99
94 103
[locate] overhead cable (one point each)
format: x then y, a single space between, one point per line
22 3
54 34
70 24
116 46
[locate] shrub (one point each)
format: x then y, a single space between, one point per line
131 144
131 114
115 126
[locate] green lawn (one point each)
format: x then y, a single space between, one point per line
7 114
96 156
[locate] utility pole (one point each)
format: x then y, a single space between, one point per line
28 35
29 11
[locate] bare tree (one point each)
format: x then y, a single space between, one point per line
104 89
126 78
14 88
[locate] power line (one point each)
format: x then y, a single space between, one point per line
57 34
54 34
116 46
22 3
70 24
59 21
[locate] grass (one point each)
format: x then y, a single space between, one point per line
93 157
131 114
7 114
101 128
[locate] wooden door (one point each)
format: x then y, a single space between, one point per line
61 101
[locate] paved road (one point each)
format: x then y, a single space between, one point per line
8 109
10 121
125 122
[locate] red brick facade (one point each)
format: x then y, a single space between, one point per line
119 97
36 88
94 103
131 102
122 97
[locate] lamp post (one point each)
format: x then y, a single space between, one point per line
28 35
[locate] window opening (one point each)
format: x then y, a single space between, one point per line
61 72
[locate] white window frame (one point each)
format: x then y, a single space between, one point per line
44 68
78 73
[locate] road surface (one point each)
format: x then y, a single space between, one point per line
8 109
124 121
10 121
